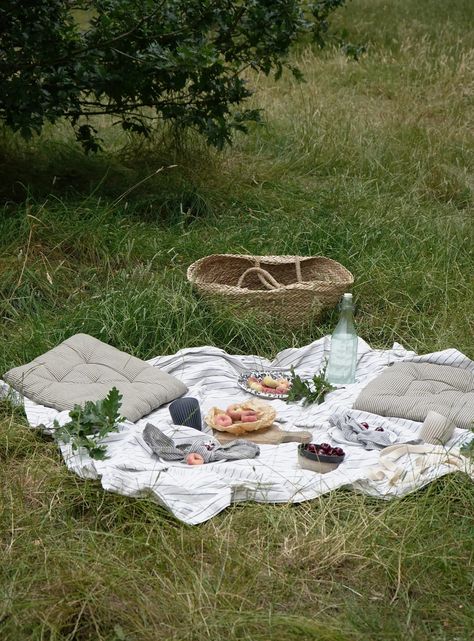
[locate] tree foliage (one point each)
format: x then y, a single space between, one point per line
179 60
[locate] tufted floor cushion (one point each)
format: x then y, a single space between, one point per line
411 390
82 368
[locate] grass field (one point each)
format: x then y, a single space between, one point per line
370 163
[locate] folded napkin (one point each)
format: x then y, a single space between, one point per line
209 448
355 433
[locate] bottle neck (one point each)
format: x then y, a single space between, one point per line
347 307
346 318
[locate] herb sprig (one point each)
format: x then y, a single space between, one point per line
91 423
467 449
309 392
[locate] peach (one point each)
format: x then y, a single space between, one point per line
248 418
223 420
194 459
283 382
234 411
257 387
281 390
249 410
269 381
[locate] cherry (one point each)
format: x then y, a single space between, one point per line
324 449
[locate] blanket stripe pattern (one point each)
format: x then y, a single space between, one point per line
194 494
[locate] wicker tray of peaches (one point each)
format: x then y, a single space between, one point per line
239 418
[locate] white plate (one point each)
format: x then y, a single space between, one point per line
260 375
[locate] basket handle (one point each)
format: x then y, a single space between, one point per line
265 278
298 269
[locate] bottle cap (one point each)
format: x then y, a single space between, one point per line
346 302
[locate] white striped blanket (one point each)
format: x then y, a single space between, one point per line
197 493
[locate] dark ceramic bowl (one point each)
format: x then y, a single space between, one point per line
317 462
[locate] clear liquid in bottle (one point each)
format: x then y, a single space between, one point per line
343 355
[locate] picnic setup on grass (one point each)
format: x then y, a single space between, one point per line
201 429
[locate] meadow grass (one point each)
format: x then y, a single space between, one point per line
367 162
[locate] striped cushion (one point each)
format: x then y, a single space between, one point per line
411 390
83 368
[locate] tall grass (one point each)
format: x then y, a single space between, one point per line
369 163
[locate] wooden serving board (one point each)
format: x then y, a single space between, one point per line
270 436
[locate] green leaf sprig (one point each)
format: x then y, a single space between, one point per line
467 449
312 391
91 423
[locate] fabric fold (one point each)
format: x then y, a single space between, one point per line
209 448
363 434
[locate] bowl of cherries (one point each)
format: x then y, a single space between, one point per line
319 458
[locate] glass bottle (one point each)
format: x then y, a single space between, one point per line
343 355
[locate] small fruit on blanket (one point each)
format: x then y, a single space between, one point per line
283 382
366 426
248 418
223 420
252 379
269 381
257 387
234 411
194 459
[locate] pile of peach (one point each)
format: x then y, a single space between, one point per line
269 384
236 413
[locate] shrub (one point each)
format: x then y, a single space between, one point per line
178 60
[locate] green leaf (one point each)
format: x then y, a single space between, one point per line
309 392
181 60
91 423
111 404
468 448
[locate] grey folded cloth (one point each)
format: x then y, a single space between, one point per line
369 438
209 448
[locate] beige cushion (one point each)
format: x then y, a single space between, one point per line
411 390
83 368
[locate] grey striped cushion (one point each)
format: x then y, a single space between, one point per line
82 368
411 390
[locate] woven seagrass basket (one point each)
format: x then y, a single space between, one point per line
290 288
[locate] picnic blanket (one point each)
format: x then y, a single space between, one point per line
194 494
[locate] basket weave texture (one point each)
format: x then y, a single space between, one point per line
291 288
